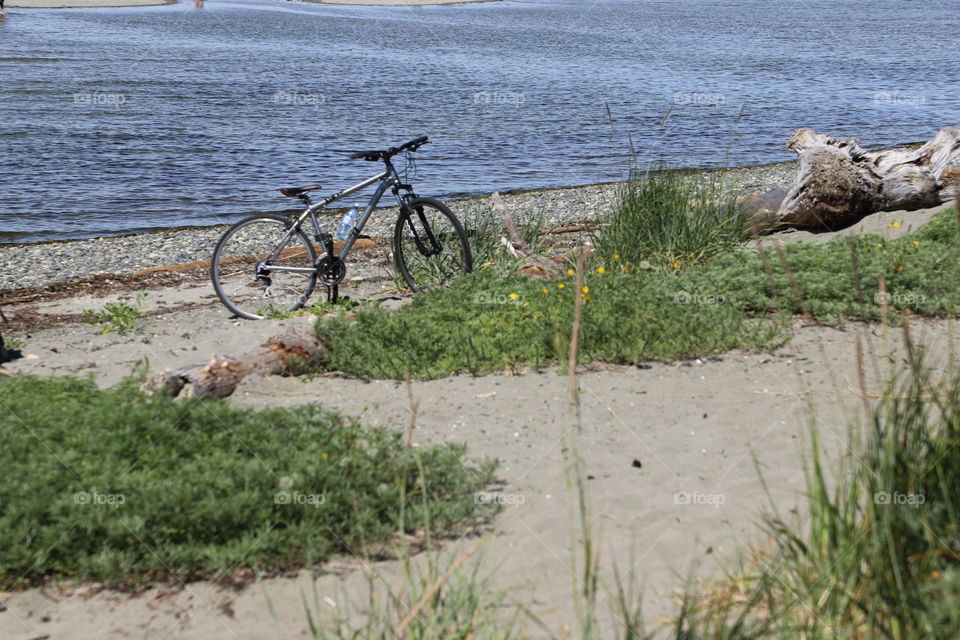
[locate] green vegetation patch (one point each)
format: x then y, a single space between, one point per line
485 324
840 279
118 486
637 311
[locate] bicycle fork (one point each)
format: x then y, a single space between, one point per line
435 248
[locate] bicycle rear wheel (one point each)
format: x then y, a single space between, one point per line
430 247
242 263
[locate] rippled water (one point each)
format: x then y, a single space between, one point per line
116 120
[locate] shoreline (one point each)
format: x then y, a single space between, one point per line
753 178
396 3
85 4
46 262
758 175
108 4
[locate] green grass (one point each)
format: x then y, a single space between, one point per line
120 317
120 487
665 216
840 279
880 555
484 324
476 326
484 232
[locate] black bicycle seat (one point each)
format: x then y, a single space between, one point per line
296 191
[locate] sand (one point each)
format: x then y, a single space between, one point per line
77 4
672 451
70 4
398 3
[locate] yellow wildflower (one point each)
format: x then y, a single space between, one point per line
586 289
569 272
616 256
601 270
916 243
545 290
561 286
513 296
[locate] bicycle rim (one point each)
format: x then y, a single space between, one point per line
241 251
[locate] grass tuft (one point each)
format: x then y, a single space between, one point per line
667 217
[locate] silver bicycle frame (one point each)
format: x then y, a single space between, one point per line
386 180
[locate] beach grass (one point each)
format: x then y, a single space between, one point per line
877 555
640 311
666 216
125 488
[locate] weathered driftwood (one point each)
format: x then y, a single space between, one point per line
215 379
532 265
284 355
838 182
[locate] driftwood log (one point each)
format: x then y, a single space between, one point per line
284 355
532 264
838 182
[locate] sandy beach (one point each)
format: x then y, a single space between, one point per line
77 4
81 4
653 433
398 3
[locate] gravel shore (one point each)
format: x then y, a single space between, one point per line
40 264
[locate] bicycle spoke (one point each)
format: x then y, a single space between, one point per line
243 271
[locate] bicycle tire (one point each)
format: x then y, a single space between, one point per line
236 255
423 272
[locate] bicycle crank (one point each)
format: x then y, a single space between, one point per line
331 270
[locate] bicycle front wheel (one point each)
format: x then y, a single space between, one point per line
245 267
430 247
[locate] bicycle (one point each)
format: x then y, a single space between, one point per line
265 262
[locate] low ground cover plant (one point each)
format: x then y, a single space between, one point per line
118 486
120 317
637 311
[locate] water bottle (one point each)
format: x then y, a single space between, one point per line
349 218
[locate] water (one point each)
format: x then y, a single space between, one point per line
122 120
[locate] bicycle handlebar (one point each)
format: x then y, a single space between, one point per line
386 154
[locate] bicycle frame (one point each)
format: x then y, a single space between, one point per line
387 178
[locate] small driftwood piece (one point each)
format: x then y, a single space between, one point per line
284 355
532 264
838 182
